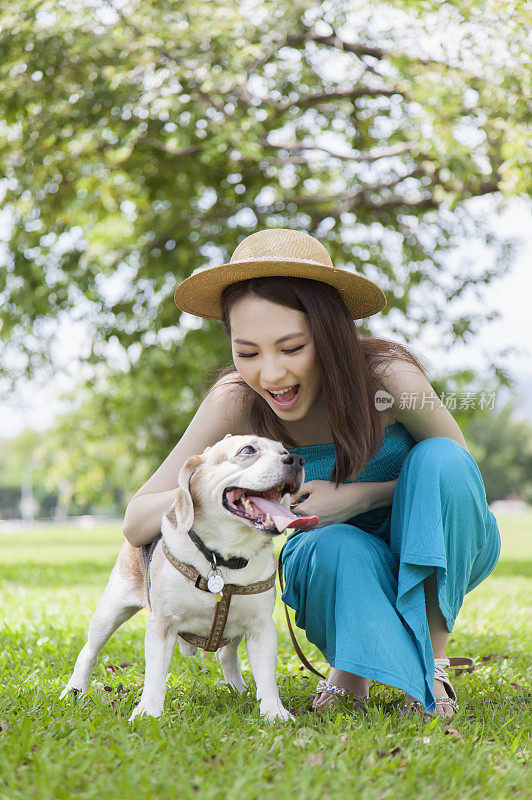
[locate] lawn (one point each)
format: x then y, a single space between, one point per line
210 742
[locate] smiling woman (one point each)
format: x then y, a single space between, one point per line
393 492
335 372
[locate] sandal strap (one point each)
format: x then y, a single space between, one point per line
448 701
440 674
325 686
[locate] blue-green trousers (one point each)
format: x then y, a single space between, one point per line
360 598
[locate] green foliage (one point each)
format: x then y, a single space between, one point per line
133 141
139 141
502 447
210 742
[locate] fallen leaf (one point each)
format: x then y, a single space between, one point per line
426 740
4 725
494 657
124 664
315 758
454 733
395 752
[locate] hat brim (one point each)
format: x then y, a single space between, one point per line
200 293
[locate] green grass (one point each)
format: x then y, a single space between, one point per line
210 742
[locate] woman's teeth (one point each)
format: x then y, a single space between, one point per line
287 397
283 391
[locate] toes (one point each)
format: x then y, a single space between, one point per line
323 699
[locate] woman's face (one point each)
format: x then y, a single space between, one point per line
266 363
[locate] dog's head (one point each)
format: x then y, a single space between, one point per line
238 484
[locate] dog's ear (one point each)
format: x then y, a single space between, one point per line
182 512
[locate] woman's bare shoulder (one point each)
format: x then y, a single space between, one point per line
396 375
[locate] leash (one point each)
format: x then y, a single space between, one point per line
297 648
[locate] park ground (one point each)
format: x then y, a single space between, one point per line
211 743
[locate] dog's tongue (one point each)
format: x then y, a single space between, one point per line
282 516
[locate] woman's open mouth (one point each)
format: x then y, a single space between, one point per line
287 399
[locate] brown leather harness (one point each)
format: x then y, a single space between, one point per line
215 639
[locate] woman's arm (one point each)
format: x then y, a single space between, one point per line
418 408
218 414
416 404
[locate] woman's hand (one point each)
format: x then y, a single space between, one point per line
348 500
328 503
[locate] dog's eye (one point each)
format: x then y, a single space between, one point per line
250 450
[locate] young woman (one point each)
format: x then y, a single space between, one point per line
405 530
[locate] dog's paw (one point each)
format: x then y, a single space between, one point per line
237 685
148 709
272 710
72 692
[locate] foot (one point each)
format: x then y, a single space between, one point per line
442 709
446 704
355 685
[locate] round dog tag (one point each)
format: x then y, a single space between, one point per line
215 583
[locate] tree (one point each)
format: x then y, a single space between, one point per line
142 140
502 448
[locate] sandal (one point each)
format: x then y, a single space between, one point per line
440 674
345 694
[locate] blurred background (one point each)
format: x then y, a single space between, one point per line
139 141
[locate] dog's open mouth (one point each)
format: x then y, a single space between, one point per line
263 509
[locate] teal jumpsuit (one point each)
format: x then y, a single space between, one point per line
357 587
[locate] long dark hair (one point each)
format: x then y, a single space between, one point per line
348 365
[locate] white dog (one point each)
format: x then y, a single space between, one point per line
219 529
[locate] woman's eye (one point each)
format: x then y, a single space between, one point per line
249 448
250 355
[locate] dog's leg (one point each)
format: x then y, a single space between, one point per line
228 659
185 648
261 645
159 645
117 604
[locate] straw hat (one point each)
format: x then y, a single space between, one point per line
283 252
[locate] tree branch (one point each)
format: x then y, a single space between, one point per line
359 49
371 156
337 94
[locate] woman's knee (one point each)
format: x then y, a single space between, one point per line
439 454
342 543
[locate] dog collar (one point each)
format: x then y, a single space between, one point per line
216 558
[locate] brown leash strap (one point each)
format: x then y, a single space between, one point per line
214 641
462 664
292 635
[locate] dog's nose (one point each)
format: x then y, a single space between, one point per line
293 460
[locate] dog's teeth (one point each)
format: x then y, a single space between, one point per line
269 520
